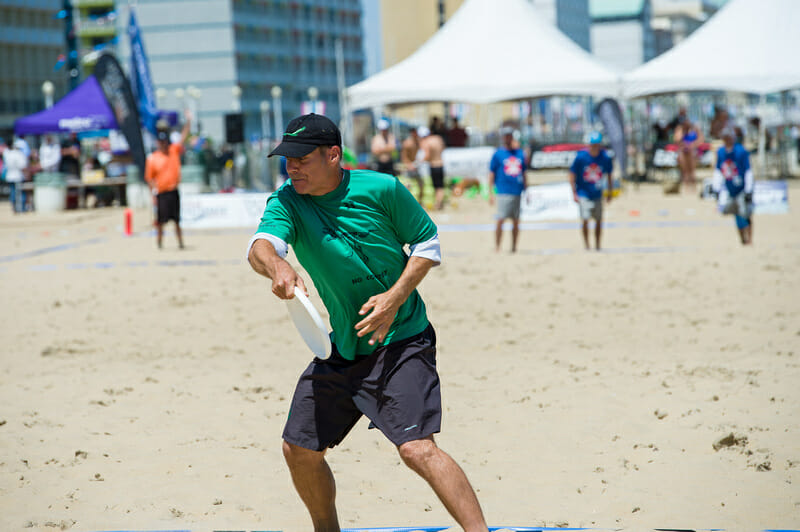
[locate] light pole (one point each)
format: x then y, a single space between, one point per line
264 108
276 109
179 95
48 89
313 93
195 94
236 91
161 95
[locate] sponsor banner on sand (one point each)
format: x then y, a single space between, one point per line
215 211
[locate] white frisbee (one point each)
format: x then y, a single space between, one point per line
309 324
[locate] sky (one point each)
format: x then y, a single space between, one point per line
372 36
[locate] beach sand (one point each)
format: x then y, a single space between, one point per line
146 389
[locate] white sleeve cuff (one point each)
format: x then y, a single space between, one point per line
281 247
748 182
430 249
717 180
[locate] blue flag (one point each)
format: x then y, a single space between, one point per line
141 82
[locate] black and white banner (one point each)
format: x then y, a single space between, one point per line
117 91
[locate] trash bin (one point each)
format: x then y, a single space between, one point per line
191 179
49 191
137 193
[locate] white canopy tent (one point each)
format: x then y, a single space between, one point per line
489 51
748 46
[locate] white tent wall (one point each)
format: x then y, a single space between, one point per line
489 51
747 46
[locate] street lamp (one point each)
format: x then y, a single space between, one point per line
313 93
276 109
48 89
179 95
264 108
161 95
195 94
236 91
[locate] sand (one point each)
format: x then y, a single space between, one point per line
146 389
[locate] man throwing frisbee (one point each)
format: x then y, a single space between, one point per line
348 229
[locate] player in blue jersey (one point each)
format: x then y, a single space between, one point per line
507 178
733 182
586 176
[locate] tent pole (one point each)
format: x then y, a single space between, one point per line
762 137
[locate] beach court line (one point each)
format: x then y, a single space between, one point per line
443 228
236 262
52 249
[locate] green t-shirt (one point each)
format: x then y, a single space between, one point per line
350 241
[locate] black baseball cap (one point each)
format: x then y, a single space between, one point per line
306 133
162 134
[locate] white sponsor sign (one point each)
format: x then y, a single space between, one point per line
549 202
769 197
213 211
468 162
556 159
669 159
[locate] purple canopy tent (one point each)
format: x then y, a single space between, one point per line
84 109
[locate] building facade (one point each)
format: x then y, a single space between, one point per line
31 41
622 34
95 28
674 20
569 16
230 56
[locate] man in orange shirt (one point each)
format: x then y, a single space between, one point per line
163 173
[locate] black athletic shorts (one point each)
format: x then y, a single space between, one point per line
386 167
396 387
437 176
169 207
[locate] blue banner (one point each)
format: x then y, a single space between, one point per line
610 114
141 82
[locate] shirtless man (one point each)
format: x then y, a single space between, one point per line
383 146
433 146
408 156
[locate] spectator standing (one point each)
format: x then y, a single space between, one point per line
432 146
163 174
409 155
70 163
383 147
49 155
437 127
507 179
456 136
14 165
586 177
689 138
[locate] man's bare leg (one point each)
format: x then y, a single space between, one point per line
598 230
498 235
585 232
179 234
159 234
514 235
314 482
447 480
439 199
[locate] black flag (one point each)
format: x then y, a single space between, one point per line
117 90
610 114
